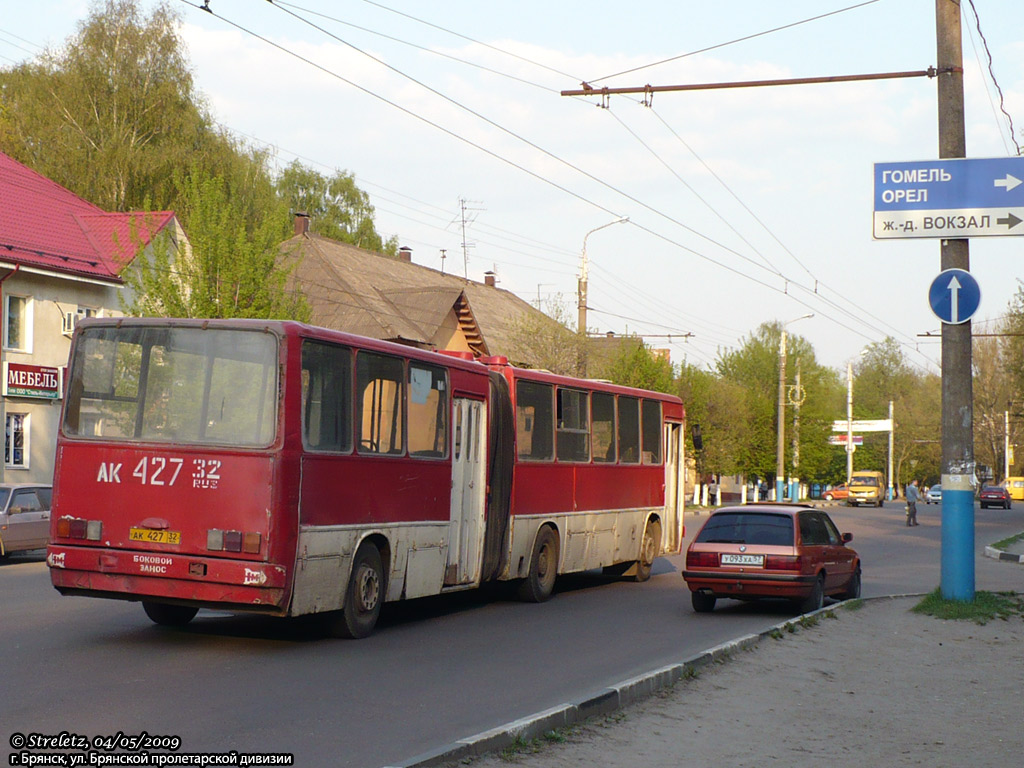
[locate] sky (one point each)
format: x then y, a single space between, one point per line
744 205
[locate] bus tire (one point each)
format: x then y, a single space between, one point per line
169 615
364 596
648 551
540 580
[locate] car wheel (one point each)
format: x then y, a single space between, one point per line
364 596
852 591
827 497
702 602
540 581
169 615
816 598
1008 505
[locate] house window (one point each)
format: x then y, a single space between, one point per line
16 443
17 323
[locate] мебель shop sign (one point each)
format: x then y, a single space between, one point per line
22 380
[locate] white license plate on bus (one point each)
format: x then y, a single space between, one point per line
755 560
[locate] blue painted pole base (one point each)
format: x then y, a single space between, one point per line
957 538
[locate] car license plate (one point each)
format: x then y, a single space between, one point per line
154 537
756 560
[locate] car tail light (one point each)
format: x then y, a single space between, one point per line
783 563
701 559
233 541
78 528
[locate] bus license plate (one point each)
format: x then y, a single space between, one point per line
756 560
154 537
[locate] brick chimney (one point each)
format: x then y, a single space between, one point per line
490 279
405 254
301 223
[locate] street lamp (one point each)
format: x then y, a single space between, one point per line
780 452
581 294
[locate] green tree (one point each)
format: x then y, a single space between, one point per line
230 269
637 366
881 375
754 370
337 208
546 341
111 114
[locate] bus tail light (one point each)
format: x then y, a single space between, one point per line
77 528
233 541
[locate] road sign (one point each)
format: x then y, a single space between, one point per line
954 296
841 439
949 198
862 425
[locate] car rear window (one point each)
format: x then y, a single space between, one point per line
748 528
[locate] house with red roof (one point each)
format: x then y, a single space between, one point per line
61 258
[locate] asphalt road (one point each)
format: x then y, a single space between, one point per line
436 669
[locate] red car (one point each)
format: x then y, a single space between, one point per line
994 496
839 492
790 551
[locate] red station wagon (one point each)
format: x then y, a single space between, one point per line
771 550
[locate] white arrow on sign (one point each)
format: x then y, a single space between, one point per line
1010 182
954 299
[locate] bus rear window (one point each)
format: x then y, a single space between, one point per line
173 385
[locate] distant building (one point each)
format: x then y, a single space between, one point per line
61 259
358 291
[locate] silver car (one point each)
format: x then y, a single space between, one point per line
934 495
24 517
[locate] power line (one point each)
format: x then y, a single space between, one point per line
733 42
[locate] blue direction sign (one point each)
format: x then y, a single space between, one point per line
954 296
949 198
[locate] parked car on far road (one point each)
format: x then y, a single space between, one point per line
790 551
24 517
934 495
995 496
839 492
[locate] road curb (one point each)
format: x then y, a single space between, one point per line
998 554
604 701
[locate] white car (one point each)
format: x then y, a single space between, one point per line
933 495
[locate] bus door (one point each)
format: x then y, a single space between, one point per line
469 486
674 487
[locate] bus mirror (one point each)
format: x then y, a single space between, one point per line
698 440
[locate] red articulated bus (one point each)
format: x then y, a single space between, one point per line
280 468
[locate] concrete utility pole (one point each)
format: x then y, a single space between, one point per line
957 397
780 446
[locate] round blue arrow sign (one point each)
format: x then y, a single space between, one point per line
954 296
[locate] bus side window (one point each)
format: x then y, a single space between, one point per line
602 423
379 381
629 430
535 424
326 397
428 411
651 412
573 425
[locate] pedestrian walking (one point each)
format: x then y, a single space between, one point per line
912 495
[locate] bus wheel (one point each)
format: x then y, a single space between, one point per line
169 615
364 596
648 551
540 581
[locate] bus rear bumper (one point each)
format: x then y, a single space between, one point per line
184 579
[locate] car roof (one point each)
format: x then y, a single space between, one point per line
765 508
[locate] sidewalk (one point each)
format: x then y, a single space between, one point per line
874 686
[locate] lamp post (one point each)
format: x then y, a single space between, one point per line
780 448
581 289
